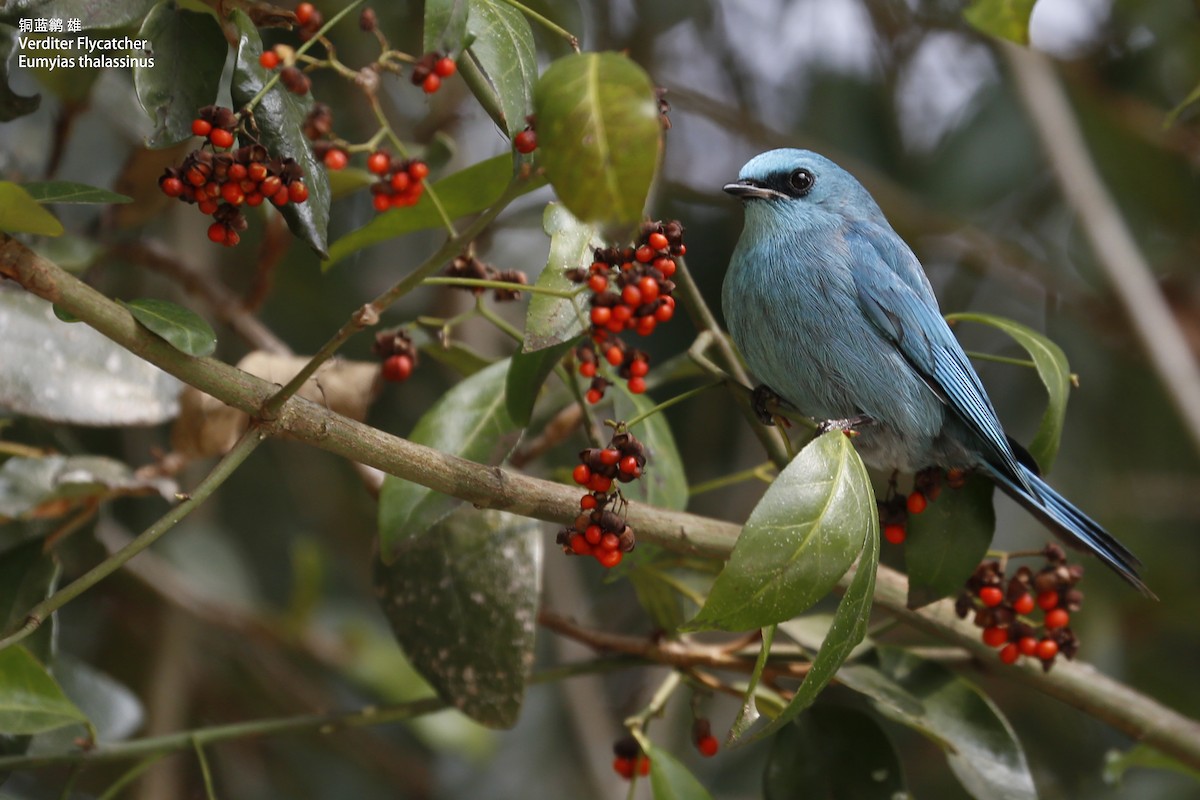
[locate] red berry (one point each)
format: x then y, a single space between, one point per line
1047 649
609 456
282 197
397 368
623 767
400 181
664 312
610 541
609 558
381 202
1010 653
580 546
378 163
525 142
991 596
171 187
629 465
221 138
645 325
593 534
995 636
431 83
594 396
1057 618
201 127
916 502
599 483
297 192
649 288
418 170
238 172
217 232
1027 645
582 474
644 254
615 356
896 534
657 241
588 502
643 765
444 67
598 283
1024 604
588 369
637 385
1047 600
304 12
269 59
631 296
601 315
621 315
232 238
207 206
336 159
665 265
232 193
639 368
707 745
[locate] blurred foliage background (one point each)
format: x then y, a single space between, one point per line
906 96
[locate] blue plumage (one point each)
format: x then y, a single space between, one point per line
833 312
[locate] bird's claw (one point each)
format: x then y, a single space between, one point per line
850 425
764 400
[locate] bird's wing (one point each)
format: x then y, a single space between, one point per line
914 325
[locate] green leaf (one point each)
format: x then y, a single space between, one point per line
21 213
114 712
502 50
1142 756
552 320
671 780
948 539
658 598
833 751
280 119
749 713
445 25
27 577
799 540
527 374
183 328
12 105
68 192
599 136
470 421
980 746
468 191
1005 19
343 182
663 483
460 358
462 600
27 483
30 700
189 56
1052 368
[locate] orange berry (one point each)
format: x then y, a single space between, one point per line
238 172
1057 618
232 193
1047 600
896 534
631 296
995 636
336 159
297 192
657 241
304 13
444 67
916 502
665 265
431 83
609 558
588 502
269 59
1010 653
601 315
282 197
991 596
637 385
1027 645
664 312
221 138
598 283
594 395
588 369
201 127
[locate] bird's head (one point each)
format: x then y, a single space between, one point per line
795 184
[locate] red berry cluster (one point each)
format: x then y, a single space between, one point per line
894 512
398 352
630 290
220 183
401 183
309 19
1001 607
217 124
467 266
600 531
703 739
628 758
430 69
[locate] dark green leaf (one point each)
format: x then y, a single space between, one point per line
981 748
599 136
68 192
94 13
552 320
183 328
114 711
189 56
658 598
503 51
1052 368
462 600
468 191
799 540
347 181
749 713
21 213
445 25
1005 19
460 358
27 577
280 120
670 780
526 376
470 421
663 483
947 540
30 700
12 105
1142 756
833 752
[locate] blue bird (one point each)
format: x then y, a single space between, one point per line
833 312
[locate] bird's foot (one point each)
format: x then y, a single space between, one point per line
849 426
765 400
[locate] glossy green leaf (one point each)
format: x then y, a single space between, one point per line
1004 19
30 699
95 14
980 746
527 374
833 751
68 192
749 713
21 213
12 105
462 599
470 421
459 357
183 328
27 577
189 56
663 482
468 191
445 25
502 51
1055 373
114 712
599 136
551 320
798 542
280 120
671 780
948 539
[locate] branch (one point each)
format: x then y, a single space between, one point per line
1078 684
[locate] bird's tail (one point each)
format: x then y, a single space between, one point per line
1070 524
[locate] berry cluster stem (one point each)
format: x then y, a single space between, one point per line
638 722
565 294
679 398
547 23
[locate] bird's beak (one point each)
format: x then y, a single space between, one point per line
748 189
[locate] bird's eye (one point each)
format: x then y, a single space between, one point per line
802 181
